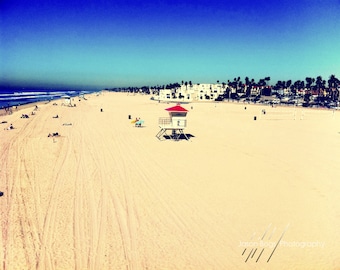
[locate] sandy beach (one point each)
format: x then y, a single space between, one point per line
240 194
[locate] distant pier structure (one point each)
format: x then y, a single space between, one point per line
175 123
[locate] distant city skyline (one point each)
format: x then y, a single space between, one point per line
103 44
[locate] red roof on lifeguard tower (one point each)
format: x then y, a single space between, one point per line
177 108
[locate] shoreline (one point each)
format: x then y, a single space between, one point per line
42 101
19 108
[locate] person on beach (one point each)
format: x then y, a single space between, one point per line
54 134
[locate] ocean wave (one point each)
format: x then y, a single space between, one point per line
23 98
29 93
12 98
34 94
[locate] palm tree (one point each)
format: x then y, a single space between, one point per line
319 85
333 84
262 82
240 84
247 82
308 83
289 83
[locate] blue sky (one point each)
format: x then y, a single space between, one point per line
104 43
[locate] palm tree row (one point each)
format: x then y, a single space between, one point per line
310 86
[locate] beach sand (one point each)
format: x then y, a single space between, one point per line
241 194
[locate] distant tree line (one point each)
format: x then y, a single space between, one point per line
311 86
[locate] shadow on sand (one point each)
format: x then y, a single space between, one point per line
179 137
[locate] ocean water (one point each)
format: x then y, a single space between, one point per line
10 98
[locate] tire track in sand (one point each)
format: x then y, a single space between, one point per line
175 214
7 187
89 229
114 171
84 244
19 203
46 252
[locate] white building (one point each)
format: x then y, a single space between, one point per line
195 92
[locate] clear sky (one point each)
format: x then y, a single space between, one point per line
106 43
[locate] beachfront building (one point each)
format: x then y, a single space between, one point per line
254 91
167 94
209 91
283 91
192 92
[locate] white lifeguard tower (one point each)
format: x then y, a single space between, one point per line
67 101
176 123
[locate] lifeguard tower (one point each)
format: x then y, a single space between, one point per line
176 123
67 101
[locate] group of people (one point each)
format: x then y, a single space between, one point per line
22 116
54 134
138 122
10 127
8 110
